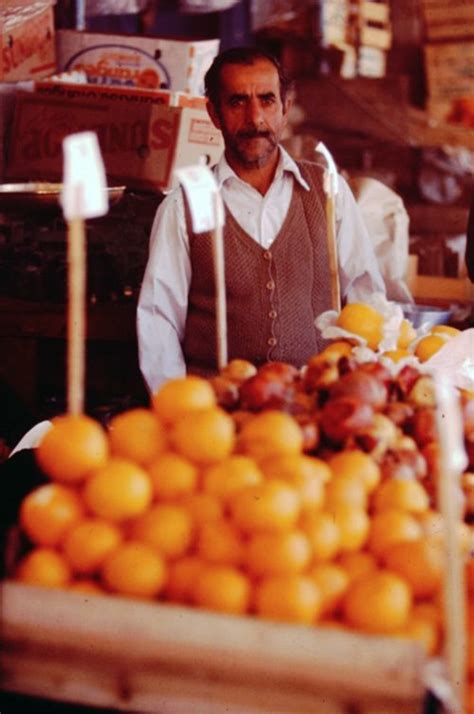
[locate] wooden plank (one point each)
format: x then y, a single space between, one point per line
109 649
441 290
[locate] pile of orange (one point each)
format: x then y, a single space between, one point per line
174 503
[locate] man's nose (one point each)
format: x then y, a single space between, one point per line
254 112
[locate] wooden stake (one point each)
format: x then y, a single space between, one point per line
219 278
331 229
76 322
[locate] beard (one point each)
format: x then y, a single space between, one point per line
242 146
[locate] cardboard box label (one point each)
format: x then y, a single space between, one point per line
27 42
141 143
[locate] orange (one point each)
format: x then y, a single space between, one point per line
337 349
182 395
423 630
202 507
222 588
323 534
270 432
137 435
172 476
391 526
271 506
432 525
182 574
380 602
238 370
428 346
278 553
290 598
47 513
306 473
396 355
445 330
74 446
166 528
362 320
219 543
87 544
118 491
44 566
231 475
420 562
348 490
204 436
86 586
357 563
134 569
354 462
353 524
404 493
406 334
332 581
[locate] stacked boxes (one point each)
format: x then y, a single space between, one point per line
27 49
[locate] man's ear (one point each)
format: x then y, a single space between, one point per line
211 110
288 103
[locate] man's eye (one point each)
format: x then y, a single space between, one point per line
267 101
236 101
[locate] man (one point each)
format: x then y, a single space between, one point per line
281 269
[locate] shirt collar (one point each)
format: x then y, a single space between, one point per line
223 171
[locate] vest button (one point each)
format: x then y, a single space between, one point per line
267 255
270 285
272 341
272 314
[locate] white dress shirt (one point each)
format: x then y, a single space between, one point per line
163 301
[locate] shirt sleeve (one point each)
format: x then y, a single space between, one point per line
163 300
359 273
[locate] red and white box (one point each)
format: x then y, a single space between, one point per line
27 42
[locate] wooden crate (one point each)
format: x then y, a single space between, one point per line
137 656
448 19
449 69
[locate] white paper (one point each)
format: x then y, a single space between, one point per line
201 189
84 192
331 185
455 360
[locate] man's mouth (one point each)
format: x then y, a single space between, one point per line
254 135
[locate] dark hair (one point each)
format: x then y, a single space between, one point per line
242 56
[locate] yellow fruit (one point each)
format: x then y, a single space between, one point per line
406 494
406 335
172 476
74 446
353 524
445 330
166 528
222 588
278 553
419 562
134 569
323 534
270 432
271 506
428 346
219 543
137 435
48 512
294 598
182 574
231 475
380 602
362 320
204 437
118 491
182 395
354 462
396 355
391 526
45 567
332 581
87 544
305 473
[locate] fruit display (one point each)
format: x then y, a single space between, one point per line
296 495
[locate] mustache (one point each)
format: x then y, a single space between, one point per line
254 134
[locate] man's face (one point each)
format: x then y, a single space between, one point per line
250 114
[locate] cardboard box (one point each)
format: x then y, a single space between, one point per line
142 139
448 19
136 61
449 69
27 46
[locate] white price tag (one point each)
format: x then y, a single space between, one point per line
201 189
330 175
84 192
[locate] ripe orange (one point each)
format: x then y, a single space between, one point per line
87 544
445 330
357 563
423 630
278 553
222 588
231 475
74 446
270 432
182 395
205 437
172 476
404 493
354 462
362 320
202 507
428 346
219 543
182 574
420 562
270 506
380 602
137 435
134 569
337 349
406 334
396 355
48 512
323 534
305 473
166 528
238 370
118 491
353 524
390 526
289 598
345 490
44 566
332 581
